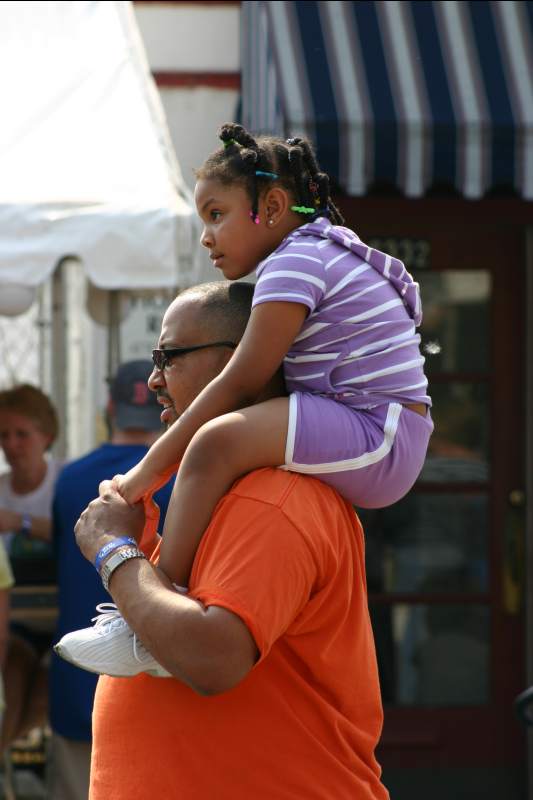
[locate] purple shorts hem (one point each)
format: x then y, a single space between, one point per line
371 456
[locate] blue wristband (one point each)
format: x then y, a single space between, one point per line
104 551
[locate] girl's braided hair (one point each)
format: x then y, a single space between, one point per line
293 161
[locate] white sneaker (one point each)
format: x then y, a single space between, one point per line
110 647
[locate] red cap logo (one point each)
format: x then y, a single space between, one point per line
140 393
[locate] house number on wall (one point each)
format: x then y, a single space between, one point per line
415 253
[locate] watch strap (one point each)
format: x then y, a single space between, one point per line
115 560
108 548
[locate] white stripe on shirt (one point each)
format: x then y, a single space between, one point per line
347 279
307 377
386 371
337 258
382 342
350 299
311 357
357 354
292 256
374 312
287 273
282 295
318 326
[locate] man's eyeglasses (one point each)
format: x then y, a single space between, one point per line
162 358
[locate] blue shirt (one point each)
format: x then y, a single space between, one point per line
79 586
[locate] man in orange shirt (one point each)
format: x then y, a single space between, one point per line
274 691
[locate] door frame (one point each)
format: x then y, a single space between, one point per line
411 735
529 488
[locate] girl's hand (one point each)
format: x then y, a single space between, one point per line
106 518
135 484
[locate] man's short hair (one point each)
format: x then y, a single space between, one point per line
225 309
227 306
135 406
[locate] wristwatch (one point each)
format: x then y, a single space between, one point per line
114 561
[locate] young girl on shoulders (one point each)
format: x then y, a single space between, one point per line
339 315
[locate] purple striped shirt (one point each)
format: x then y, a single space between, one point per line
359 341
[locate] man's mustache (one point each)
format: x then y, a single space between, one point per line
163 395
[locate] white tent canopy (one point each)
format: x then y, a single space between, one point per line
87 168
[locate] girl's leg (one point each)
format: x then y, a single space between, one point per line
220 452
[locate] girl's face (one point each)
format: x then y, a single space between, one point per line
236 244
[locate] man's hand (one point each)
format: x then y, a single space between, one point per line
106 518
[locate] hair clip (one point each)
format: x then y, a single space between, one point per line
303 210
254 217
313 187
228 142
271 175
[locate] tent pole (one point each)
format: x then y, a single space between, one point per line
113 327
58 356
71 346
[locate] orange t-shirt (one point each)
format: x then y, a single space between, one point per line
286 554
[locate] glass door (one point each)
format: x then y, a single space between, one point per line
444 564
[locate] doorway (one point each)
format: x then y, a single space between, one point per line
445 564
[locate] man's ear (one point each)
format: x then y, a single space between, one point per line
277 204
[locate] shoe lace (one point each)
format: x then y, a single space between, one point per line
139 650
109 616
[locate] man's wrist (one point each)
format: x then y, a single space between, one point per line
109 547
115 560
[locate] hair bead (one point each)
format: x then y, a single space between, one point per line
271 175
291 162
303 210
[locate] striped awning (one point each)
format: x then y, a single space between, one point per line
411 94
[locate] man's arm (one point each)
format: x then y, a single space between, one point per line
209 649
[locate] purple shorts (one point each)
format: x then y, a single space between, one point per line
371 456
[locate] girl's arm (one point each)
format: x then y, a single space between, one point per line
268 336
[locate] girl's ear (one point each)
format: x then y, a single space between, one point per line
276 204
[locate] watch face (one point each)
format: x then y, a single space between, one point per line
115 560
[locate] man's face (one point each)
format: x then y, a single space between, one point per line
184 378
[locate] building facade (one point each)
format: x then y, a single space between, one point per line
423 115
